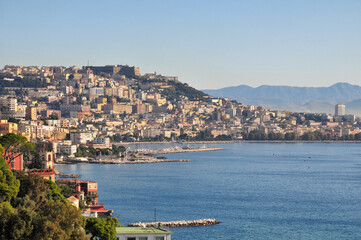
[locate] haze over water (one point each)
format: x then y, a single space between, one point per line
257 191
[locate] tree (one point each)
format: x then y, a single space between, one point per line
14 146
58 220
39 211
102 228
65 190
9 185
36 161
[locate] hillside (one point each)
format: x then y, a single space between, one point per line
299 99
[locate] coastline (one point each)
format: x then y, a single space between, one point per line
143 158
169 142
167 151
116 161
243 141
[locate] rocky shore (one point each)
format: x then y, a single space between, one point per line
182 223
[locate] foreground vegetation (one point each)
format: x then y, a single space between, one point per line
34 208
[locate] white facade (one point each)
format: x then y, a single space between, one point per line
142 233
102 140
340 109
81 137
67 149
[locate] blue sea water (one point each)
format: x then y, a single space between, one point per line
256 190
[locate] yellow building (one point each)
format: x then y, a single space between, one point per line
8 127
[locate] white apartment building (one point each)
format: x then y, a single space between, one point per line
81 137
102 140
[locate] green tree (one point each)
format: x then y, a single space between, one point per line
105 229
15 145
54 192
58 220
65 190
9 185
36 161
40 212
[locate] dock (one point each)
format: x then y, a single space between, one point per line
182 223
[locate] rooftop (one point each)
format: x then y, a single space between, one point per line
42 171
140 230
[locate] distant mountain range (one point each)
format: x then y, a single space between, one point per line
297 99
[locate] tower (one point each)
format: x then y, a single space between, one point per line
340 110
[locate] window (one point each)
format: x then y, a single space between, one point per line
143 238
159 238
131 238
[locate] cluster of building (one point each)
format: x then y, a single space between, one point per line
93 105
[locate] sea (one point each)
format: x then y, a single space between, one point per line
255 190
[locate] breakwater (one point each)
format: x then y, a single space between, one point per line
183 150
182 223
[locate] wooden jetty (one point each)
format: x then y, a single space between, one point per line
182 223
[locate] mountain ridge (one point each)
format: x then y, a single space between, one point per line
294 98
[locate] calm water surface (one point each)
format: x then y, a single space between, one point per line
257 191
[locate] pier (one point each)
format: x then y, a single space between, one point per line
127 161
176 150
184 150
182 223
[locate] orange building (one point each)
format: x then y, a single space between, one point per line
48 174
8 127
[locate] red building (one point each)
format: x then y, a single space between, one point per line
101 211
16 164
83 189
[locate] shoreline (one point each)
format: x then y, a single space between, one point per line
245 141
168 151
169 142
126 162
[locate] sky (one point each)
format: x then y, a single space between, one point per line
208 44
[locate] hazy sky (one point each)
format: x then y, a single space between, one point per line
208 44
